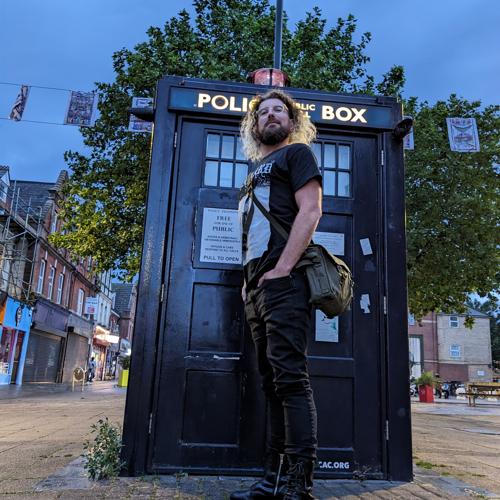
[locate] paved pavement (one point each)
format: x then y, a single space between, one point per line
43 428
453 439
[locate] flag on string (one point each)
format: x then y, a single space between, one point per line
81 109
408 140
462 134
136 124
20 103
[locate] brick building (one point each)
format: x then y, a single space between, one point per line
443 345
61 332
51 286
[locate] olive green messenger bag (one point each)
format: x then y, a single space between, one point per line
330 279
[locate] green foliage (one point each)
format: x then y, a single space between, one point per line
452 208
102 455
426 378
226 39
124 362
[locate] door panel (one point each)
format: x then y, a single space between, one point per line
345 371
209 407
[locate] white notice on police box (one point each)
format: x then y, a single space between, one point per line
327 330
333 242
220 236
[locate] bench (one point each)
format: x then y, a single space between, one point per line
481 390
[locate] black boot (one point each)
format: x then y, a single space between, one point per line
300 479
272 485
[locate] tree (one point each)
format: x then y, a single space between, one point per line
452 208
105 197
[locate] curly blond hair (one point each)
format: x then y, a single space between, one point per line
303 130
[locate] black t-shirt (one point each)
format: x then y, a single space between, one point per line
274 179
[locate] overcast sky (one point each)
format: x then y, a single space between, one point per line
445 46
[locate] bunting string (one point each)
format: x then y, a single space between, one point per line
81 110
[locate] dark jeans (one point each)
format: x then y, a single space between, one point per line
279 316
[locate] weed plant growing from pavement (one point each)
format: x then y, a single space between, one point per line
102 454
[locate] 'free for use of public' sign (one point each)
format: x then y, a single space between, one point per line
220 236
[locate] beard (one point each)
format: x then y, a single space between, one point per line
271 136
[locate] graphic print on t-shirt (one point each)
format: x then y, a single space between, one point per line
274 180
259 232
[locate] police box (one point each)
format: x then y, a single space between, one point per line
194 402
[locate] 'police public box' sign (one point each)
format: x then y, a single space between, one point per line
319 112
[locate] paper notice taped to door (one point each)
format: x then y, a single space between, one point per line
220 236
366 247
327 330
364 303
333 242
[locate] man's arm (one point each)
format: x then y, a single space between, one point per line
308 199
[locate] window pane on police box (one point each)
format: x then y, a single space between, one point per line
329 183
227 146
240 155
240 174
211 168
213 141
344 184
316 149
329 151
344 154
226 174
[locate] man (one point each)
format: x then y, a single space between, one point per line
285 178
92 369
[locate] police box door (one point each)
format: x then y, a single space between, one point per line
208 413
344 354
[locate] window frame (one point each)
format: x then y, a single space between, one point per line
453 320
41 277
60 288
220 159
80 301
53 223
455 348
336 170
50 287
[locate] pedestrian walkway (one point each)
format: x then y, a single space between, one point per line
71 482
44 427
12 391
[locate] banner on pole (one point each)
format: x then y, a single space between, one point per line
462 134
408 140
17 111
91 305
81 109
136 124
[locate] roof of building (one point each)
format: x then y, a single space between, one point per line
37 194
469 312
123 293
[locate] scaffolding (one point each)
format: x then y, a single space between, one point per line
21 226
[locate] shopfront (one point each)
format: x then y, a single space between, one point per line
15 319
104 350
46 344
77 347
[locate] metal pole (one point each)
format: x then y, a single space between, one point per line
278 29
